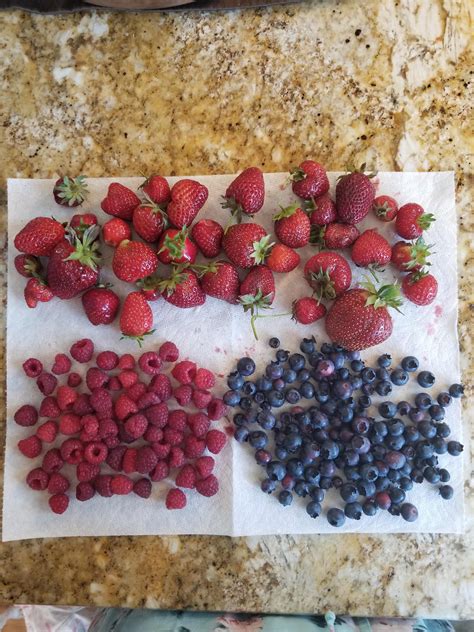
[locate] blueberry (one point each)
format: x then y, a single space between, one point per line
381 428
455 448
410 364
383 388
377 439
327 468
353 355
292 396
325 368
235 381
436 412
241 434
342 389
383 500
427 429
431 475
249 388
231 398
399 377
293 442
346 413
274 343
369 472
369 508
353 510
366 488
382 374
313 509
289 376
303 419
382 467
257 439
329 450
322 393
276 470
396 427
395 460
411 434
416 415
456 390
296 361
315 358
366 458
245 403
417 476
336 517
268 486
295 468
281 453
337 482
343 374
351 457
317 494
423 401
360 444
444 399
246 366
307 345
444 475
259 397
443 430
394 476
397 495
446 492
409 512
360 424
303 375
351 473
288 482
266 420
274 371
403 408
327 348
349 492
325 482
356 382
319 419
405 483
311 475
388 409
368 389
357 366
301 488
329 407
426 379
239 419
394 510
382 484
285 498
307 390
367 375
320 435
278 385
276 399
282 355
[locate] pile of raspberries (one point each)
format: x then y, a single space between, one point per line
121 425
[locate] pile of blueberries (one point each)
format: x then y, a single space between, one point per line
334 441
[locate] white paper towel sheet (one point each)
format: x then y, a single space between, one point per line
214 335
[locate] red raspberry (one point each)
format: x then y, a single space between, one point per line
86 472
49 408
52 461
87 437
115 457
128 378
32 367
142 488
183 394
208 486
186 477
72 451
146 459
176 457
204 379
215 441
95 452
48 431
204 466
160 472
157 415
124 436
199 424
58 484
84 491
96 378
153 434
124 406
46 383
62 364
126 361
102 485
168 352
107 360
177 420
114 384
82 350
161 449
136 391
30 447
70 424
173 437
216 409
74 379
37 479
129 461
161 385
90 425
121 485
201 399
148 399
193 447
107 428
184 372
175 499
101 402
66 397
26 415
136 425
58 503
82 405
111 442
150 363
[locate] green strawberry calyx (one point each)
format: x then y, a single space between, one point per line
316 237
86 247
252 303
175 245
322 285
382 210
383 296
297 175
72 190
139 338
424 221
416 276
235 208
354 169
310 205
32 265
419 253
155 208
287 211
261 249
201 270
151 282
178 276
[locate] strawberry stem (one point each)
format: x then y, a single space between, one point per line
139 338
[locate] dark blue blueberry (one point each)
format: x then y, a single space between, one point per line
311 475
231 398
394 476
396 427
235 381
320 435
325 482
360 444
416 475
329 407
239 419
307 390
436 412
303 419
303 375
369 471
424 450
405 483
423 401
263 457
409 512
431 475
337 482
292 396
416 415
411 435
367 375
315 358
364 401
296 361
310 453
410 364
444 399
356 382
403 408
329 450
357 366
395 460
288 482
246 366
245 403
342 389
241 434
446 492
443 430
444 475
366 488
276 470
285 498
327 468
425 379
345 436
346 413
259 397
321 393
281 453
383 388
397 495
456 390
380 427
249 388
369 508
353 355
307 345
327 348
337 358
313 509
432 461
351 473
274 343
349 492
279 385
368 389
366 458
382 467
388 410
394 509
351 457
274 371
275 399
343 374
399 377
409 451
336 517
317 494
293 442
266 420
268 486
382 484
377 439
289 376
455 448
282 355
384 360
295 468
353 511
257 439
301 488
319 419
427 429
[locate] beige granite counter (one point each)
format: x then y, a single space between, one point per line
382 81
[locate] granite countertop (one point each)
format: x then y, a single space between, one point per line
384 82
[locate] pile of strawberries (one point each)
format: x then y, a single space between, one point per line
122 424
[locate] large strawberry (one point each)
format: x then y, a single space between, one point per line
245 194
37 291
292 226
70 191
328 273
355 195
136 319
149 221
257 291
208 236
39 236
187 199
101 305
412 220
322 210
307 310
282 258
420 287
176 247
410 257
245 244
359 318
182 289
157 189
134 260
221 280
371 249
334 236
120 201
309 180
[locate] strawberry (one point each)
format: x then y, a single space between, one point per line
309 180
355 195
245 194
412 220
149 287
335 236
257 291
28 265
322 210
136 319
208 236
410 257
371 249
187 199
385 208
115 231
245 244
157 189
308 310
221 280
39 236
72 267
282 258
329 274
292 227
359 318
176 247
420 287
182 289
70 191
36 291
134 260
149 221
82 221
120 201
100 305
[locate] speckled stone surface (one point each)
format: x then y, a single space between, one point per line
382 81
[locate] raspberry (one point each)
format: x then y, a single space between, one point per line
199 424
161 449
70 424
193 447
107 360
95 452
52 461
102 485
208 486
173 437
127 361
107 428
186 477
184 372
26 415
153 434
90 425
136 391
82 405
124 406
62 364
160 472
84 491
148 399
111 442
161 385
48 431
136 425
101 402
124 436
183 394
49 408
176 457
30 447
168 352
215 441
201 398
96 378
129 461
66 397
175 499
46 383
72 451
157 415
150 363
121 485
58 503
74 379
142 488
204 379
32 367
115 457
146 460
82 350
204 466
114 384
37 479
216 409
128 378
177 420
86 472
58 484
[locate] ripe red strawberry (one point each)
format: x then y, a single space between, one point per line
157 189
322 210
187 199
308 310
282 258
134 260
100 305
355 195
385 208
39 236
149 287
245 194
309 180
420 287
176 247
136 319
221 280
70 191
149 221
410 257
37 291
82 221
412 220
257 291
335 236
371 249
292 227
245 244
182 289
329 274
208 236
28 265
115 231
120 201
